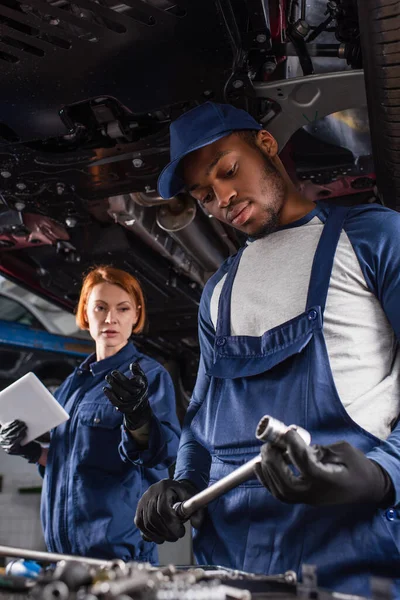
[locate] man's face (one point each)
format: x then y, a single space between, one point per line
237 183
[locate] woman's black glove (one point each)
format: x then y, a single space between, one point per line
11 436
155 516
130 396
335 474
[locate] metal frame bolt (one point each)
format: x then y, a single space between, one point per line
302 28
70 221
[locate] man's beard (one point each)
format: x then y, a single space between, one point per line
271 224
272 185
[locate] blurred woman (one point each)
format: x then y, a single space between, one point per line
118 439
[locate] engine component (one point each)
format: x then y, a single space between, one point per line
176 230
268 430
184 224
141 222
104 121
18 230
296 34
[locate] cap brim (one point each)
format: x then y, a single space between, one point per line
169 182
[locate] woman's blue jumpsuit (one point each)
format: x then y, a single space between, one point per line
284 373
95 474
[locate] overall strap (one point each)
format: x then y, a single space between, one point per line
224 304
324 256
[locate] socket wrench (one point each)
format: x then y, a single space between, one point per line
268 430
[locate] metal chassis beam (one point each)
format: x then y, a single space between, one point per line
15 335
303 100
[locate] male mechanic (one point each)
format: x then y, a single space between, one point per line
302 324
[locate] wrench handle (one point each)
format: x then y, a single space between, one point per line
185 509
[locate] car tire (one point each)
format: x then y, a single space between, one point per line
380 43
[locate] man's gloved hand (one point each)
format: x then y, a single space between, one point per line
130 396
335 474
11 436
155 516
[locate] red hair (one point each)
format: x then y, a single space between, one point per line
108 274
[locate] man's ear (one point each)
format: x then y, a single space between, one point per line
267 143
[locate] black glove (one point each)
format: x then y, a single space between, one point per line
335 474
130 396
155 516
11 436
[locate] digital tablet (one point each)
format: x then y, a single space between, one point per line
28 400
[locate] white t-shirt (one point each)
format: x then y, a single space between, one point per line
270 288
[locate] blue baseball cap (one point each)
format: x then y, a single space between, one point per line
195 129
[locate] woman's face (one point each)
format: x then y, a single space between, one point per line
111 313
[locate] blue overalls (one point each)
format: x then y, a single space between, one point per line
285 373
95 472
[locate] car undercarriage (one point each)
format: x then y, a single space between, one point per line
89 89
